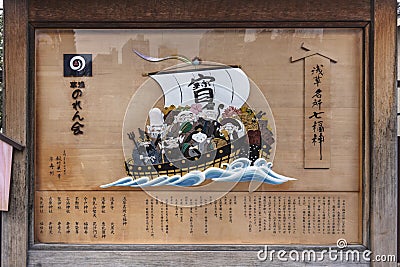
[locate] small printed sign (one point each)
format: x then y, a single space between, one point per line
77 65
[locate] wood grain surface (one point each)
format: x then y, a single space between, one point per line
195 11
14 223
383 150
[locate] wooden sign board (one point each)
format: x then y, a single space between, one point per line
84 117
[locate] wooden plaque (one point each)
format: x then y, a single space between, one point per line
359 35
91 96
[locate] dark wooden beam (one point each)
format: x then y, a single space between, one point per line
193 11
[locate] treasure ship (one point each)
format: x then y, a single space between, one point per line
205 122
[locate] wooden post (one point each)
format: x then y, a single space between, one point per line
383 228
14 231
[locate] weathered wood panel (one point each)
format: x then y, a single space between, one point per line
85 162
384 151
197 11
14 223
175 256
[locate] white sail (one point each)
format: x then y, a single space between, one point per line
228 86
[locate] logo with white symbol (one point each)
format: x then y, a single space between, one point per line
77 63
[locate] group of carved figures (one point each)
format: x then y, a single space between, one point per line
187 133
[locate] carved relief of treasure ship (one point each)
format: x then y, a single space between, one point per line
204 123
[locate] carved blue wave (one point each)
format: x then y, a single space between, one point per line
237 171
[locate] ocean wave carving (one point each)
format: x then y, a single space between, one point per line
240 170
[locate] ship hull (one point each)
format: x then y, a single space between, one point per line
215 158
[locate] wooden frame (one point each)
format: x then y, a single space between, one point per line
380 149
